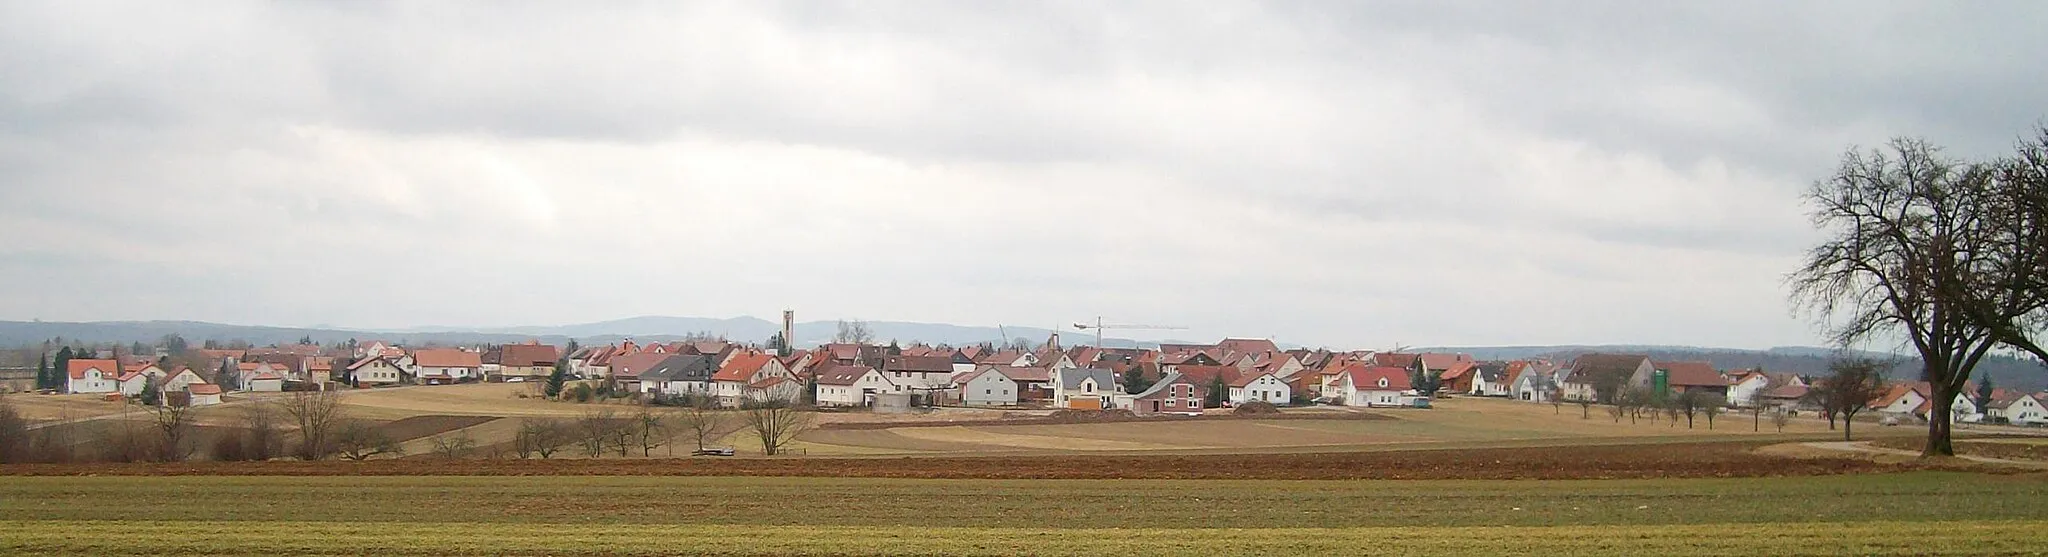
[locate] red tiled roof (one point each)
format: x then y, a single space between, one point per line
447 357
1247 378
1206 375
77 368
742 366
1024 374
528 355
1691 374
1248 345
1368 377
769 382
1391 359
203 389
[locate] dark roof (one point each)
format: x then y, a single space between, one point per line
1691 374
920 364
528 355
1164 382
1071 378
678 367
1587 368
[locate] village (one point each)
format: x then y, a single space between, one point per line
1172 379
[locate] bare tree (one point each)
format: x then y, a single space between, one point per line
317 413
1780 417
701 420
1556 398
1757 406
853 332
540 437
1851 385
594 429
1950 253
174 426
651 429
266 436
362 439
775 422
457 445
1585 406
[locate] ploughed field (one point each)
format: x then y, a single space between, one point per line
1905 513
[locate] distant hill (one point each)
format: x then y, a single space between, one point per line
739 329
2005 371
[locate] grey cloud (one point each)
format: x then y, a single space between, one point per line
1333 172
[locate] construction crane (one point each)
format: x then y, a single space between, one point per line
1099 326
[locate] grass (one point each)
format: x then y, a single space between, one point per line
1921 513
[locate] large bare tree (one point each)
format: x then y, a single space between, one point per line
1947 253
775 422
701 420
317 414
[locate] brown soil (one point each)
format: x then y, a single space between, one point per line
1104 417
1695 460
421 426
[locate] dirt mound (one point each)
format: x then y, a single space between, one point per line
1699 460
1256 408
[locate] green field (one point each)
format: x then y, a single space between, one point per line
1913 513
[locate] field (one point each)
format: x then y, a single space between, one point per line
1918 513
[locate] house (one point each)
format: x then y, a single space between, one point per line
1173 394
1259 386
799 362
440 366
182 377
1489 379
1453 371
673 375
1531 380
988 387
782 387
1901 400
265 381
1788 396
745 373
1009 358
2015 407
1034 384
377 348
850 385
919 374
93 376
1169 363
1364 385
1281 364
1679 378
1596 376
1915 399
138 377
626 369
531 360
1745 385
378 370
203 394
1083 388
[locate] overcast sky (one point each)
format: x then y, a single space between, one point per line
1345 174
